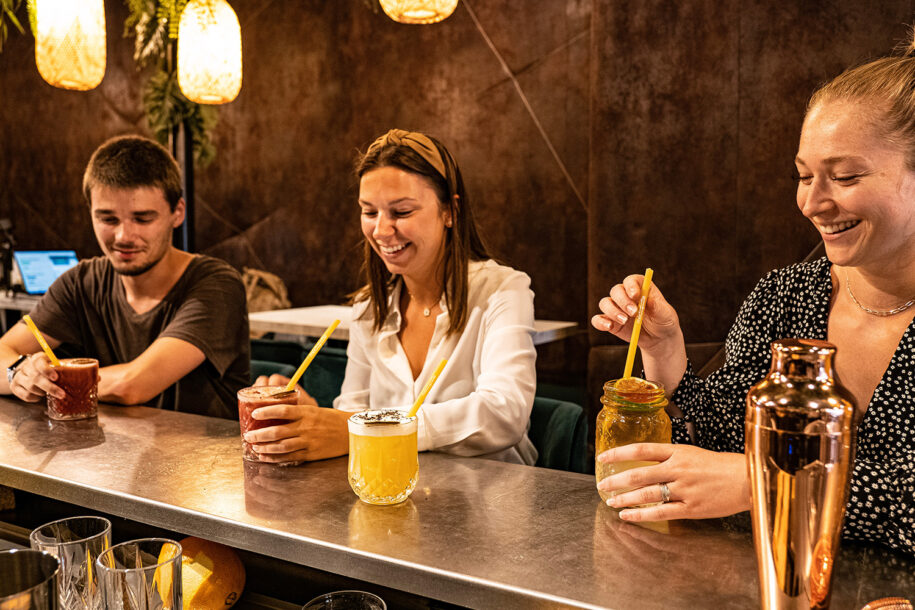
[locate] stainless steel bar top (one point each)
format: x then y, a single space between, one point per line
475 532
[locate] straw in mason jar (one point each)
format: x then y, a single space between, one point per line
637 325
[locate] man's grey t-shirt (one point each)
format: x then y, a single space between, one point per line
87 310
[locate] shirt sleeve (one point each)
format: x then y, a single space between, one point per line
213 317
717 405
57 312
354 393
494 416
881 502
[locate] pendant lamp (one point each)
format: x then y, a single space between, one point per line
418 11
209 52
70 42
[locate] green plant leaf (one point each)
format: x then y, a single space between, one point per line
166 108
8 10
33 17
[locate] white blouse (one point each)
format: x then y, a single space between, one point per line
481 403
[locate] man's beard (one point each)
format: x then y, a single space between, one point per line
131 271
136 270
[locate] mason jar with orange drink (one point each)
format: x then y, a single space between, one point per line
633 412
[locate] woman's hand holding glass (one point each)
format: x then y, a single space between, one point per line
703 484
312 432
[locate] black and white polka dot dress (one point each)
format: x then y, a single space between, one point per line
794 302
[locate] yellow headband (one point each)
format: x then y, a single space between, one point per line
417 142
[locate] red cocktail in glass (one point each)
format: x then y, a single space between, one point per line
78 378
256 397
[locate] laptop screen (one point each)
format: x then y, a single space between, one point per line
39 268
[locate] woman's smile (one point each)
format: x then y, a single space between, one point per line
392 250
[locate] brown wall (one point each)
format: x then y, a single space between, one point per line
674 124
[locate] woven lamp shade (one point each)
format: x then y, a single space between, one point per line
418 11
70 42
209 52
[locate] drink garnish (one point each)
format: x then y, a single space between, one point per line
282 393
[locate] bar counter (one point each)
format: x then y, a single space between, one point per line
475 532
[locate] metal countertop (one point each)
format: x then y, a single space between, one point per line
475 532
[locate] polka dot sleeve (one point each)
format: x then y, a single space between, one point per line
881 503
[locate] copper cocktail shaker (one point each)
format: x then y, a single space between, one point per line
800 435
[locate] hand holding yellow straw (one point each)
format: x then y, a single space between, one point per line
425 392
44 344
637 325
311 356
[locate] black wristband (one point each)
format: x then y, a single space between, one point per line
14 367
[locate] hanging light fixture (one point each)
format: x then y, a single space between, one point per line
70 42
418 11
209 52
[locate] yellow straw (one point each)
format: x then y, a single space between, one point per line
311 356
44 344
637 325
425 392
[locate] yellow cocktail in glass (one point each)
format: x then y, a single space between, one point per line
383 457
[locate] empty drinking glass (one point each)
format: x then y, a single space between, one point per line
142 574
76 542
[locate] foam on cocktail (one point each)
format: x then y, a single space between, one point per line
262 391
385 422
78 362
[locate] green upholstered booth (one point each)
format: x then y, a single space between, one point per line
558 432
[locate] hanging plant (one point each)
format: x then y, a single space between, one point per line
154 24
166 107
8 18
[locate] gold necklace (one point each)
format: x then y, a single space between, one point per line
427 311
876 312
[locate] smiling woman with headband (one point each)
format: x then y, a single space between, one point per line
431 292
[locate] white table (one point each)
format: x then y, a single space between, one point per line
313 321
14 301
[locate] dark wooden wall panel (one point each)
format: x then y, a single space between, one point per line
321 80
696 113
664 151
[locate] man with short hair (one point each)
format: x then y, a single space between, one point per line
169 328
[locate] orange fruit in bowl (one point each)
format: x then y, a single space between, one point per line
212 575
